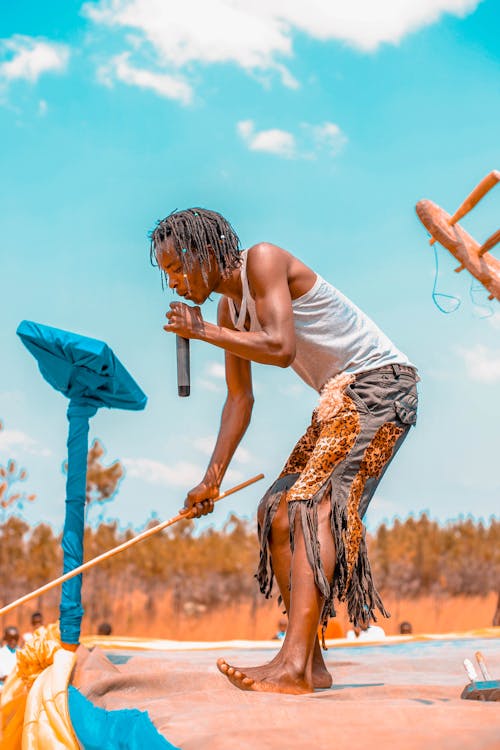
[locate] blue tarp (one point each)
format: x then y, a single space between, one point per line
83 369
126 729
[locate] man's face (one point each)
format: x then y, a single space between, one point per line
187 283
11 637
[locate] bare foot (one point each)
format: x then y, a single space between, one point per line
271 678
321 677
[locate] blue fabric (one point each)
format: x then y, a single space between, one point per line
88 373
82 368
127 729
71 610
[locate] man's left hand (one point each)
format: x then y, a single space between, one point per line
185 321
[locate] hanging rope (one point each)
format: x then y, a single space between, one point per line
440 295
483 304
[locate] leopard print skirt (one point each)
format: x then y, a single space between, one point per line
358 426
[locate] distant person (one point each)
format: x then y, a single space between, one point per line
496 616
36 622
104 629
405 628
282 626
370 633
8 652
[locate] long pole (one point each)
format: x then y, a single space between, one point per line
120 548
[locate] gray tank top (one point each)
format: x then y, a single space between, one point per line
332 334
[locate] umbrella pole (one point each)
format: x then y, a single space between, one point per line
71 610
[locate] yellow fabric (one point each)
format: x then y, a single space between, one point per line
38 653
12 706
34 702
47 725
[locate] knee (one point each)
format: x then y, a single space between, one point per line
279 530
280 527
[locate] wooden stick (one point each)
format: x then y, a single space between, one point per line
486 184
119 548
489 244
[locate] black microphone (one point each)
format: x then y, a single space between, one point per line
183 370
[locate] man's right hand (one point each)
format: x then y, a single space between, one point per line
200 500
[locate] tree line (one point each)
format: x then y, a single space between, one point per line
215 567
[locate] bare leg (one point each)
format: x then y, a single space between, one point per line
279 543
291 671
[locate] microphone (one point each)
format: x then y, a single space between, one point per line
183 370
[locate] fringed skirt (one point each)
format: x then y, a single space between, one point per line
358 426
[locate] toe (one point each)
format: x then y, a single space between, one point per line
222 666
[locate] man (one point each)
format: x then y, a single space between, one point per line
275 310
496 616
8 653
104 629
406 628
36 622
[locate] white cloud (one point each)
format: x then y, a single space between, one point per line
274 141
311 140
209 385
155 472
182 474
243 455
494 320
163 84
258 34
216 370
482 364
43 107
328 135
13 440
213 374
206 446
27 58
364 24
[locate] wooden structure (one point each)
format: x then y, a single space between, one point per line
471 255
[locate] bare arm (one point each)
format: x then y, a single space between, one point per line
234 422
275 343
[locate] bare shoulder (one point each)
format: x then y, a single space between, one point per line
267 264
267 253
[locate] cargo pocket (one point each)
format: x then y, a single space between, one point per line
406 408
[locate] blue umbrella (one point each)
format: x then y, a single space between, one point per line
87 372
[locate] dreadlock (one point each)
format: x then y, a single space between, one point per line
198 233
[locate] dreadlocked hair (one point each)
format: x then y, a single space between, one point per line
198 233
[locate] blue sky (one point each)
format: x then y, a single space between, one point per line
315 126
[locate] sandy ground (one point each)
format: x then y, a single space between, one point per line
384 696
